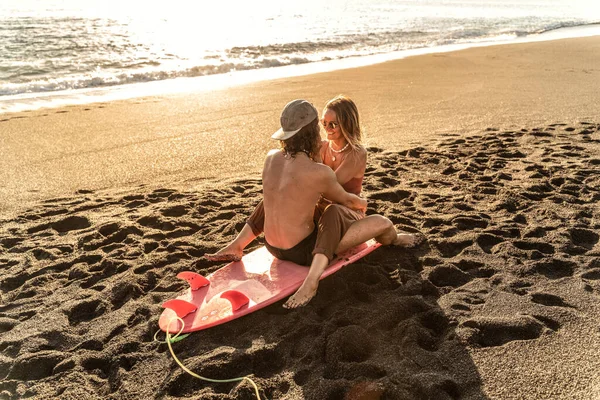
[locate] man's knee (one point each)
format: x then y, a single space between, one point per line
383 222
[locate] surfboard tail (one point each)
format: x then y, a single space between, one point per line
196 281
180 307
236 298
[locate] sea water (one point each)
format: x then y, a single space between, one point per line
67 52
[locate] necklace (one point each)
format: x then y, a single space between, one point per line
337 151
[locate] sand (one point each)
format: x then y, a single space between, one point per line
492 153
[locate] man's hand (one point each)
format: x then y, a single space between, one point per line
358 204
363 206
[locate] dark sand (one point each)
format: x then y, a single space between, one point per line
502 302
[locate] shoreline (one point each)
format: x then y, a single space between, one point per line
185 85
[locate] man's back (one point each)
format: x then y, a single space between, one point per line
291 188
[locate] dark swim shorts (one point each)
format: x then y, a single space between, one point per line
301 254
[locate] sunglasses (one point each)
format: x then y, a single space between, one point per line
330 125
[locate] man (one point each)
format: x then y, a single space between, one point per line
292 186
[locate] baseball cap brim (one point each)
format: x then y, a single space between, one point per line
284 135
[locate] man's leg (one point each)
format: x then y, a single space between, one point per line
234 250
309 287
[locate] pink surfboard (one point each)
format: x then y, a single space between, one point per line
242 287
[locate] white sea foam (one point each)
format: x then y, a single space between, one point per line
71 53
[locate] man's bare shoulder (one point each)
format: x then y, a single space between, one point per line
312 169
274 152
273 156
321 171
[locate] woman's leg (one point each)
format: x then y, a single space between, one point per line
379 228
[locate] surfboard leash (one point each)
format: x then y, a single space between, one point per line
170 340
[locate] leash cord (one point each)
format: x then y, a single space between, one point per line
176 338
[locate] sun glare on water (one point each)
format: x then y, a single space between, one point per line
180 25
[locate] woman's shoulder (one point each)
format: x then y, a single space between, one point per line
359 152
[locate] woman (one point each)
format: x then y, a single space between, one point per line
343 152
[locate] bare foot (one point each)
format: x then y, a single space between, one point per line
409 240
227 254
301 298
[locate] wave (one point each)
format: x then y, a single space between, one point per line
32 80
121 78
562 25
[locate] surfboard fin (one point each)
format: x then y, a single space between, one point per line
195 280
181 307
236 298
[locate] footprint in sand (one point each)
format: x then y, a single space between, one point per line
7 324
469 223
123 292
155 222
550 300
584 237
175 211
555 268
8 349
451 248
447 275
592 275
37 366
85 311
497 331
98 366
96 240
393 195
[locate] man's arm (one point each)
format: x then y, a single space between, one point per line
333 191
353 164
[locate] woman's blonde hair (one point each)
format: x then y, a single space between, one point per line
347 116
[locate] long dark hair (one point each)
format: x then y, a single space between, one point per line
307 141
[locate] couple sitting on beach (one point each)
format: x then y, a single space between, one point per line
311 209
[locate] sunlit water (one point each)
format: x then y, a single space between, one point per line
56 52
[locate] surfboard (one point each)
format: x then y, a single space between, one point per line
242 287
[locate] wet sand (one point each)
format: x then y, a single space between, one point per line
492 153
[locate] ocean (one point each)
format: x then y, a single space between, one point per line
69 52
